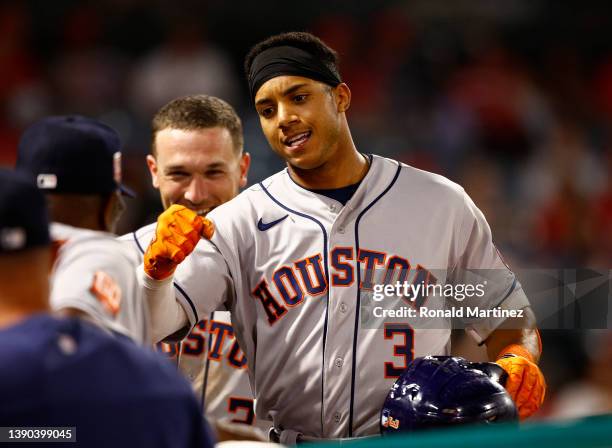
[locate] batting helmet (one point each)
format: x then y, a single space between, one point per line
439 391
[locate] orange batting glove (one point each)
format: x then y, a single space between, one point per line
525 384
178 231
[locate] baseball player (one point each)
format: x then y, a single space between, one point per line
295 256
198 161
76 161
66 372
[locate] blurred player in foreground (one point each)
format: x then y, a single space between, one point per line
296 256
76 161
197 160
65 372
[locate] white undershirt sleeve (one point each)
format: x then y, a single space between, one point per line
167 314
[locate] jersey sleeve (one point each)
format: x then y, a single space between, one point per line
480 265
101 282
203 282
137 242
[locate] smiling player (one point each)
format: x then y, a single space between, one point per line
197 160
295 256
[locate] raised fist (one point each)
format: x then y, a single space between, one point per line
177 233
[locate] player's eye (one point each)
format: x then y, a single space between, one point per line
215 173
177 175
266 112
299 98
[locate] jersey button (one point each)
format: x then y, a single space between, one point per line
343 307
340 229
333 207
337 417
339 362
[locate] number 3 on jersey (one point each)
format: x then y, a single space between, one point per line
404 349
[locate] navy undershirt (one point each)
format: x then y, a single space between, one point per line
342 195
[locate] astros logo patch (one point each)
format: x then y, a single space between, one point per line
390 422
107 291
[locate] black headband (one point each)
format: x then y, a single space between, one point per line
286 60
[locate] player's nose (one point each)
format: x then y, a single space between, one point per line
197 191
286 117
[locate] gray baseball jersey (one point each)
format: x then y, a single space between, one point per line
294 267
209 356
96 275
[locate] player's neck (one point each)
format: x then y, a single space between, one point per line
81 211
10 316
346 167
24 284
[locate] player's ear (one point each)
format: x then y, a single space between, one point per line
342 95
152 164
245 163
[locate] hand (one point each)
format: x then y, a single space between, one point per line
526 384
177 233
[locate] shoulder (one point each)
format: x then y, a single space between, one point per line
276 180
140 374
77 237
139 239
89 246
93 353
139 234
56 363
430 186
23 345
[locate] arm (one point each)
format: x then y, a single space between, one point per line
167 315
513 343
177 234
519 331
94 280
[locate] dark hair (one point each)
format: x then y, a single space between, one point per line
305 41
198 112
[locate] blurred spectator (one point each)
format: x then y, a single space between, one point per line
561 232
185 64
601 222
495 87
88 75
559 180
591 394
20 86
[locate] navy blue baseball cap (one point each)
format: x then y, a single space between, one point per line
72 154
24 222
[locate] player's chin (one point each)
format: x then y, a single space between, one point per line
304 160
303 163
